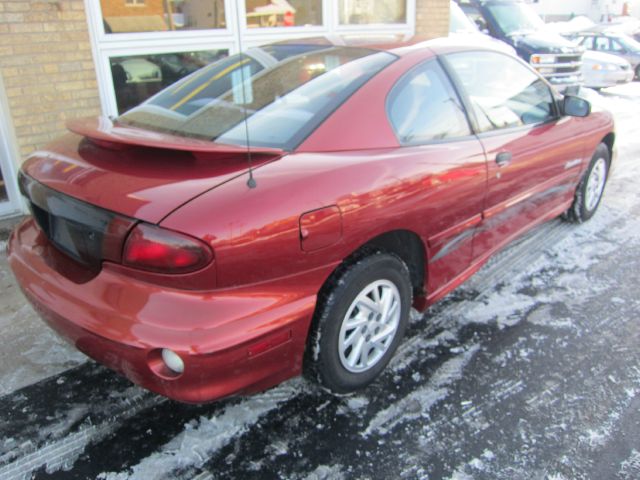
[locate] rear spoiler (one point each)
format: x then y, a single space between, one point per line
103 132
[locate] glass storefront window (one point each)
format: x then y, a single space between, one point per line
359 12
121 16
283 13
138 77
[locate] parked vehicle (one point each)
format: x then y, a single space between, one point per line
602 70
462 29
613 43
281 210
517 24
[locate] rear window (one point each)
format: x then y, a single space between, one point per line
286 91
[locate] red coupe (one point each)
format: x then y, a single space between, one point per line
281 210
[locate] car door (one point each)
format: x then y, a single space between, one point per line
450 169
533 153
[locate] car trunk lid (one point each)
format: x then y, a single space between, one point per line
135 172
87 189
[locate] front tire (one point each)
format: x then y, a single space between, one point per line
591 187
360 321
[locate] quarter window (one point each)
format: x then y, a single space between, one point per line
423 107
503 92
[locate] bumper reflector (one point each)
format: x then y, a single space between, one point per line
172 361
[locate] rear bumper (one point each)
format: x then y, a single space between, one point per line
233 341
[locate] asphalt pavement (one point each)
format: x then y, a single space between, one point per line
531 370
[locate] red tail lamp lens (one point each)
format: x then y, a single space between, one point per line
164 251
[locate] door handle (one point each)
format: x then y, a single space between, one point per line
503 158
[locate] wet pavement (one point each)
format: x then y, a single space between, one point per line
531 370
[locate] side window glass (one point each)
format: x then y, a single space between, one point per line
616 47
503 92
587 42
423 107
601 43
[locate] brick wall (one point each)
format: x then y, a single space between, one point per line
432 18
47 67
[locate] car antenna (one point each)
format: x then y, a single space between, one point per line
251 182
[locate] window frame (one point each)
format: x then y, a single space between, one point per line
406 75
462 93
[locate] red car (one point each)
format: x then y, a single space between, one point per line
281 210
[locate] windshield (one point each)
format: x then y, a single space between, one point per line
458 21
516 18
285 91
629 43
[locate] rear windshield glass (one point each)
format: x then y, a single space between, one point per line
286 91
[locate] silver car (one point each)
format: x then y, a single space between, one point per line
617 44
602 70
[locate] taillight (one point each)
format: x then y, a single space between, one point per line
164 251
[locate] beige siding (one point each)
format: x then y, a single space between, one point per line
47 67
432 18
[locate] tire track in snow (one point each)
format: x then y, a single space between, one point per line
202 438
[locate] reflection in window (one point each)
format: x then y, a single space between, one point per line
503 92
283 101
283 13
120 16
136 78
423 107
356 12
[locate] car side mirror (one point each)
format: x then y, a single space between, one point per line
576 106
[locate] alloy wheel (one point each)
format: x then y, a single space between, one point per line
369 326
595 184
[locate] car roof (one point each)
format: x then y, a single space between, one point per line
396 44
600 31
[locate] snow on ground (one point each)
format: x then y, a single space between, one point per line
418 403
201 438
30 351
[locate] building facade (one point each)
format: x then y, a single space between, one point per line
73 58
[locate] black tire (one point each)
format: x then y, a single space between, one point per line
324 363
585 202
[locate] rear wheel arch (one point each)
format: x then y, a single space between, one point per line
410 248
406 245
